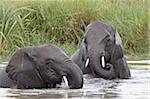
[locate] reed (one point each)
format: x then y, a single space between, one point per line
25 23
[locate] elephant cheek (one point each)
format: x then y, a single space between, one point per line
51 77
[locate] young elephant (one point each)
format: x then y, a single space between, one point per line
41 67
101 52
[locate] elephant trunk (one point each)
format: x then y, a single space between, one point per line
97 64
74 75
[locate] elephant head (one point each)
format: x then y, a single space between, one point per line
43 66
101 51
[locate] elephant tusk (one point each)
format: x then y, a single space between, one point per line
103 61
65 80
87 62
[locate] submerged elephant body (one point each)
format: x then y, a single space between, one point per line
101 52
41 67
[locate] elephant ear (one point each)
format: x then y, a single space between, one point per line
118 44
118 39
113 31
21 69
118 48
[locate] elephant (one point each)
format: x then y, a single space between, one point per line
42 66
101 52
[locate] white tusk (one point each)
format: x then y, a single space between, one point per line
87 62
103 61
65 80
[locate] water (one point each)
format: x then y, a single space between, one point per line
138 87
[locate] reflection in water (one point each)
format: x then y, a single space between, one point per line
136 87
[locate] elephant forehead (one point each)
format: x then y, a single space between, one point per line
96 23
96 33
97 28
47 51
43 53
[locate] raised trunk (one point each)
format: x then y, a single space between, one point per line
97 68
74 75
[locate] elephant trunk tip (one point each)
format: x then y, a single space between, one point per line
74 76
100 66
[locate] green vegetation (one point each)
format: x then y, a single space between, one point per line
25 23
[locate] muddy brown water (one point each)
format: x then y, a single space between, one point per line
138 87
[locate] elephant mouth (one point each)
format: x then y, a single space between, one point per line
103 62
53 79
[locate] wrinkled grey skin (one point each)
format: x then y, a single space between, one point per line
99 40
5 81
40 67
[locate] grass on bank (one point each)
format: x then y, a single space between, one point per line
25 23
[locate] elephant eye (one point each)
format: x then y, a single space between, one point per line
34 56
109 43
108 40
49 61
